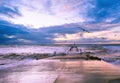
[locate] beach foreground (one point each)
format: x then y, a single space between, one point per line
52 70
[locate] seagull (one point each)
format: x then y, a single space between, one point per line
83 29
103 38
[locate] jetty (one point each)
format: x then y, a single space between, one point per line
74 52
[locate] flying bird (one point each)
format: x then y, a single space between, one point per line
83 29
103 38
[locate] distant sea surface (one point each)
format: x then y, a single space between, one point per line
6 49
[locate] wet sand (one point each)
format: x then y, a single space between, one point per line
61 71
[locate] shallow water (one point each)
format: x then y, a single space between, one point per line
57 71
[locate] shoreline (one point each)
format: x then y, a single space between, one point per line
61 71
16 59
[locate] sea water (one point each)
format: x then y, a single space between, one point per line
112 51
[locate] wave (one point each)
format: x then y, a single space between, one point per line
5 66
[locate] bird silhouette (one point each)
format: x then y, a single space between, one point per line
83 29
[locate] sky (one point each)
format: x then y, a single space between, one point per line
59 21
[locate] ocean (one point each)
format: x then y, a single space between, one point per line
108 52
109 48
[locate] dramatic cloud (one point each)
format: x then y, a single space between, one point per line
40 13
59 21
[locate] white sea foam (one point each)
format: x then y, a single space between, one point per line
30 49
112 49
14 64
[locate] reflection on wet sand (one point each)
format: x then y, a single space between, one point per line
61 71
